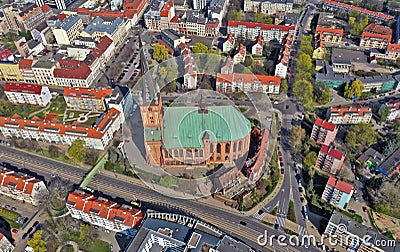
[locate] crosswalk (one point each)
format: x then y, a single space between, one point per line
259 216
302 230
280 219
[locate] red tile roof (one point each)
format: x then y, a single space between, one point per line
162 42
134 5
22 88
165 10
104 208
61 17
5 54
378 29
394 48
103 45
340 185
325 124
72 69
46 8
340 111
323 30
23 183
369 35
87 93
105 13
261 25
249 78
59 128
332 152
25 64
365 11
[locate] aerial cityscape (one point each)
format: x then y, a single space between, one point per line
200 125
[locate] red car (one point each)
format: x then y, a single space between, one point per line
15 231
282 171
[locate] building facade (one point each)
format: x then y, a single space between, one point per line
394 108
337 192
376 36
21 186
323 132
86 99
281 68
96 137
103 212
330 160
21 93
228 83
68 30
9 71
330 35
351 115
269 7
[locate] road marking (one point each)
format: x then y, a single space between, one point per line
302 230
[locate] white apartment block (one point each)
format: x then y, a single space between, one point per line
5 244
103 212
228 83
251 30
95 137
21 93
269 7
68 30
43 72
352 115
21 186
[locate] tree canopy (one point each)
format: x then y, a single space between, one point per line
353 89
306 45
303 91
385 113
77 151
160 52
200 48
284 86
357 22
235 15
361 136
310 159
297 135
37 242
262 18
304 63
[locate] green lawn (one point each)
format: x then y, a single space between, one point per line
58 105
354 216
291 213
99 246
10 217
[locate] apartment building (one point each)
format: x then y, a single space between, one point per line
251 30
121 99
334 5
229 44
189 67
22 46
376 36
44 72
240 54
257 48
43 34
99 28
21 93
393 52
9 71
228 83
73 73
394 108
32 17
103 212
86 99
351 115
25 67
172 39
337 192
68 30
104 50
323 132
23 16
270 7
281 68
354 236
342 59
5 244
199 4
21 186
329 35
137 6
96 137
329 159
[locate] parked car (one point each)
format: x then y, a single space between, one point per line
7 206
15 231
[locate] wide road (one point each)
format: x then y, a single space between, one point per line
127 188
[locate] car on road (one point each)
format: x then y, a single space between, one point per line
13 209
282 171
300 189
243 223
15 231
111 247
24 236
7 206
29 230
89 189
52 175
276 226
35 224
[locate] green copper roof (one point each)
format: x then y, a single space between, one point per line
152 134
185 127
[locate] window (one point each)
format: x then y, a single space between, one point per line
218 148
227 148
240 146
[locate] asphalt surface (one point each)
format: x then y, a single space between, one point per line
244 228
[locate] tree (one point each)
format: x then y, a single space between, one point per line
385 113
302 75
357 22
284 86
361 136
297 135
77 151
160 52
200 48
322 93
306 46
310 159
325 97
234 15
304 63
37 242
353 89
54 151
262 18
303 91
162 71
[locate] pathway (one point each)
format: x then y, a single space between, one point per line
39 111
71 243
